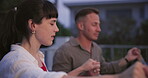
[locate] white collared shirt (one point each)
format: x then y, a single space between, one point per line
19 63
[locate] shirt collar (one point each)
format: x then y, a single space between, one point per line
18 48
74 42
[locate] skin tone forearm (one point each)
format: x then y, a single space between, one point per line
105 76
76 71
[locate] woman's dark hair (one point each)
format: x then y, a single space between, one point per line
15 27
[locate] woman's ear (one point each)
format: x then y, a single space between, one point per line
31 25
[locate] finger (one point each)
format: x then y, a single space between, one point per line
136 52
97 63
96 71
97 66
90 60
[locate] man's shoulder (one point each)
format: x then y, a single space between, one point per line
69 44
64 48
65 45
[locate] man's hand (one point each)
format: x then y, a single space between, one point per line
92 67
96 70
90 64
133 54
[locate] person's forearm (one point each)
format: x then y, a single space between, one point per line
76 71
109 76
103 76
122 62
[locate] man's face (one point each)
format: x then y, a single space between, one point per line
91 26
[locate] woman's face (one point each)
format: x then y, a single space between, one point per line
46 31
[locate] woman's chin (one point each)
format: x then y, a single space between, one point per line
48 44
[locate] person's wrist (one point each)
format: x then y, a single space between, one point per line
127 61
81 69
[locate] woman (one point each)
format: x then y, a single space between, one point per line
25 29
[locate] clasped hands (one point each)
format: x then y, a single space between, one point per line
92 67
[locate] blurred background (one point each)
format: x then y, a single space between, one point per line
124 25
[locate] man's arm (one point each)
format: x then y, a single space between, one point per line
122 64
